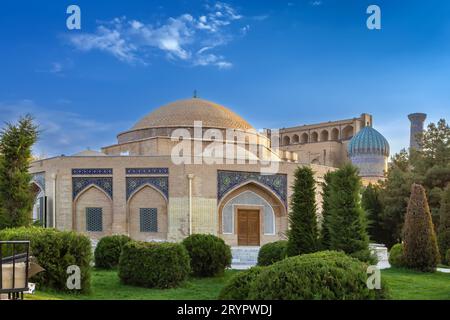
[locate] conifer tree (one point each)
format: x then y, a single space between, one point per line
419 239
16 198
348 222
444 224
303 234
324 231
373 207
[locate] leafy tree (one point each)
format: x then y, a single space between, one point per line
394 195
16 198
419 239
324 231
371 203
303 234
348 223
444 225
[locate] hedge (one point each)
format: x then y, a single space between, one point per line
326 275
272 252
153 265
108 250
209 254
238 287
396 258
55 251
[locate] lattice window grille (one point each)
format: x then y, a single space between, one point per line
94 219
149 220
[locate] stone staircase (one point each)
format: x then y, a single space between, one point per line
244 257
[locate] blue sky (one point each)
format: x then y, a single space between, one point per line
276 63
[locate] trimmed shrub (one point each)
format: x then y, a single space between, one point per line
55 251
238 287
153 265
419 240
444 225
209 254
326 275
396 258
108 250
272 252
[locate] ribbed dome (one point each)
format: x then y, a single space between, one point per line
368 141
185 112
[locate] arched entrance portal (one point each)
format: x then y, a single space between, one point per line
251 215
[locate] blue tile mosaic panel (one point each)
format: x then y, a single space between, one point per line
160 183
228 180
39 179
81 183
92 171
141 171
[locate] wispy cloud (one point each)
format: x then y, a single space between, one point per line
316 3
186 38
62 132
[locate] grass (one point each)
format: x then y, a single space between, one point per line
403 285
413 285
106 286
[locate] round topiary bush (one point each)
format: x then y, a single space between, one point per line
326 275
153 265
108 250
238 287
272 252
209 254
396 256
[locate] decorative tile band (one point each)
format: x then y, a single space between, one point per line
81 183
228 180
132 171
39 179
92 171
160 183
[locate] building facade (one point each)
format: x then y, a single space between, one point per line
191 166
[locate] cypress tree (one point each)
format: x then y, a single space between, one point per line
348 222
373 207
16 198
324 231
419 240
444 224
302 234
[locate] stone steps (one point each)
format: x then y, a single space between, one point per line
244 257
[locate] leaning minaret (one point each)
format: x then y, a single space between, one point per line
417 121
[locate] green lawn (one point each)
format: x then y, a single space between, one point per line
106 286
403 284
411 285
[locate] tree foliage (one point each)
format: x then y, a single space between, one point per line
419 239
303 234
444 225
348 223
324 231
373 207
16 198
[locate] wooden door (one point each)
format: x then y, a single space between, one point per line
248 227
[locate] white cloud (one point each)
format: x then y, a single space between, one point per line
183 38
62 132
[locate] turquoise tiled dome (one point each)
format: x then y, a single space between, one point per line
368 141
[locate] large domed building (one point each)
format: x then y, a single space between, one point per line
193 166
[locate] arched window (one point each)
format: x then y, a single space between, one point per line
314 137
335 134
248 198
295 138
286 140
347 133
324 135
304 138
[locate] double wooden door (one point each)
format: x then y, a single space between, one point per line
248 227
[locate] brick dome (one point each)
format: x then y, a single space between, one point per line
183 113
